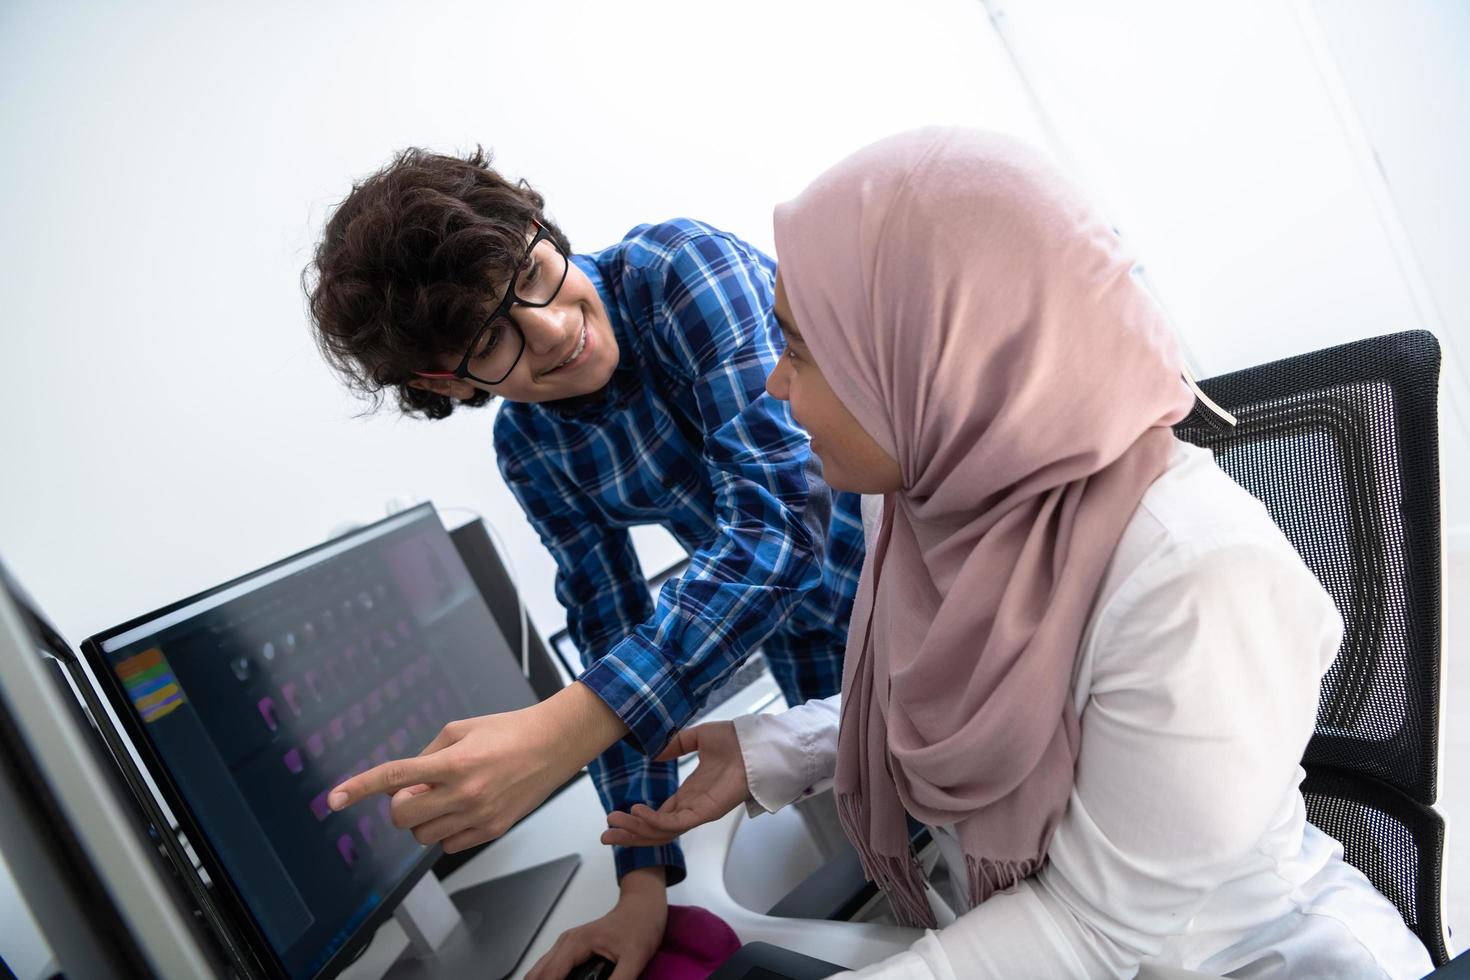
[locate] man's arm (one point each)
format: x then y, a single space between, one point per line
712 299
481 775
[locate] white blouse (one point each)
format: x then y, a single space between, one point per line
1185 843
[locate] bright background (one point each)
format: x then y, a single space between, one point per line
1292 173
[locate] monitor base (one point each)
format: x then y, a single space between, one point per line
499 919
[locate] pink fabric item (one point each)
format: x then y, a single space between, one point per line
982 323
695 943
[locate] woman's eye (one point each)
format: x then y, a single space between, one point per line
531 274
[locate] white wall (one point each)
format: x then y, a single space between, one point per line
1228 144
1403 74
168 421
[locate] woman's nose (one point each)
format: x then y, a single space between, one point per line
777 385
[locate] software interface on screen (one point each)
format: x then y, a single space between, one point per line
263 696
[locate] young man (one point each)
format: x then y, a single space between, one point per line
633 393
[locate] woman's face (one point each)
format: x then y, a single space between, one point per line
851 460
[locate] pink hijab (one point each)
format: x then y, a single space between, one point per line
982 324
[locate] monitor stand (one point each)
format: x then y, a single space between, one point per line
479 931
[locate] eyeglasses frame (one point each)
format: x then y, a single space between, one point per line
507 302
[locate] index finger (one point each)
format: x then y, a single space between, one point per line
387 778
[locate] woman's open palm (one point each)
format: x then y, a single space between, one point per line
716 787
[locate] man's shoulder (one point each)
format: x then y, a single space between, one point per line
670 235
656 247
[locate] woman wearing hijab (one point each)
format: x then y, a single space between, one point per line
1080 653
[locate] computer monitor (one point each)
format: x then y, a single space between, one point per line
249 702
93 881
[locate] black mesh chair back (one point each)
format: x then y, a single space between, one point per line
1342 446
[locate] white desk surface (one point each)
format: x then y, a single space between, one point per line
572 822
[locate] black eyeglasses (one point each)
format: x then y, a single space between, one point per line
499 343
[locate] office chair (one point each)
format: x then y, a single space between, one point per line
1342 446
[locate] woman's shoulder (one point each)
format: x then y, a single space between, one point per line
1199 552
1194 510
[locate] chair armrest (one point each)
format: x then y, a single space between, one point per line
836 890
1456 969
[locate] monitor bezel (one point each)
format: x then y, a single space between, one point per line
233 905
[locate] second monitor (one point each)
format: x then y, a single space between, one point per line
249 702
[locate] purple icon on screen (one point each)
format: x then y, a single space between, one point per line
347 849
293 762
336 729
316 744
367 829
288 691
398 740
319 807
354 715
267 708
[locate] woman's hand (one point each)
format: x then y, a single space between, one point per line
480 775
629 935
717 786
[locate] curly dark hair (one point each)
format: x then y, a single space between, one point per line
406 268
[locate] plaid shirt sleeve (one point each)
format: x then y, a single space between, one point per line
714 327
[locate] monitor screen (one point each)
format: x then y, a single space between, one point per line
250 702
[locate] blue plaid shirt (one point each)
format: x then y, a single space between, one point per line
684 436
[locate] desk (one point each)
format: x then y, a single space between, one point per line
572 822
